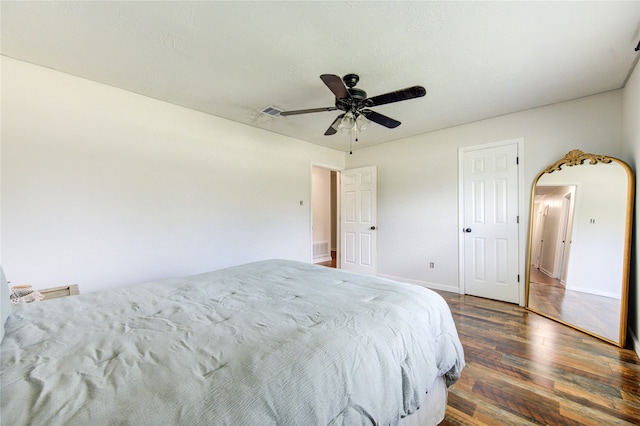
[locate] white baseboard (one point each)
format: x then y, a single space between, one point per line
595 292
425 284
322 259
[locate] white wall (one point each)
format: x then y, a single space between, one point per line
599 221
631 154
418 179
104 188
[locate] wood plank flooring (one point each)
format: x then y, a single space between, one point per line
524 369
598 314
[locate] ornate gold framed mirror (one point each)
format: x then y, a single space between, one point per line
580 242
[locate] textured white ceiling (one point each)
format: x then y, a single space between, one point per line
232 59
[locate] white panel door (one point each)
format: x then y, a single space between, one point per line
490 186
359 193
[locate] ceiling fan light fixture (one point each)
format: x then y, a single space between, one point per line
361 122
347 122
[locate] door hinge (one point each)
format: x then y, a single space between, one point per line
517 219
518 277
517 160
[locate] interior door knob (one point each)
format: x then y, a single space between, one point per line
467 230
373 228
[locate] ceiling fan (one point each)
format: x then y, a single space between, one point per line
355 104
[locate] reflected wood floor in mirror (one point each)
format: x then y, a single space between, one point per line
523 368
598 314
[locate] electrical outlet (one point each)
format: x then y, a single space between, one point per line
432 265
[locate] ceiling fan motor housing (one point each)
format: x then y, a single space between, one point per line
357 100
351 80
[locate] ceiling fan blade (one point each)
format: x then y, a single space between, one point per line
398 95
307 111
333 129
383 120
335 84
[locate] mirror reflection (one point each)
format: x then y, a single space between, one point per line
579 244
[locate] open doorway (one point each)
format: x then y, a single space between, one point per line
324 216
554 206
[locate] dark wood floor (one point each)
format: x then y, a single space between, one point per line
523 368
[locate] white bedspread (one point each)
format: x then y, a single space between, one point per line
273 342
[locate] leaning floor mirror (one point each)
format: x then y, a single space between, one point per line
580 242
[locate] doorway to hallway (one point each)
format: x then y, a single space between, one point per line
324 215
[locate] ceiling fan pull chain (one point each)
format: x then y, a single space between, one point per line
350 143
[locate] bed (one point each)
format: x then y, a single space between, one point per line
271 342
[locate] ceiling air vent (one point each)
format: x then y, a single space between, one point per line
272 111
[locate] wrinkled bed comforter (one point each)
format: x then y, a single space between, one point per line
273 342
